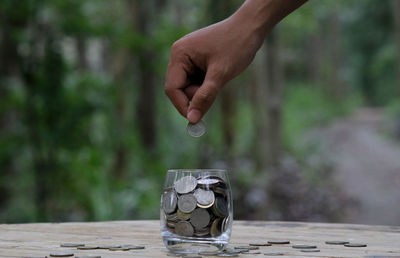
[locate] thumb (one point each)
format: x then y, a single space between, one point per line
202 100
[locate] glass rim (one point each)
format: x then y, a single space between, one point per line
220 170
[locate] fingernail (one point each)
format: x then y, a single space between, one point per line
194 115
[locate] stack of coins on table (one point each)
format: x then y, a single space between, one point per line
197 207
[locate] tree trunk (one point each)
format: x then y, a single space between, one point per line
219 11
396 18
81 48
273 99
313 58
118 69
332 42
145 116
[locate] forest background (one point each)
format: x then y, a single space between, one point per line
87 133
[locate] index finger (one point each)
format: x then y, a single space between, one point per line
174 87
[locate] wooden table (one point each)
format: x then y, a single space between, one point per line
39 240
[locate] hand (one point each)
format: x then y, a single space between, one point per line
202 62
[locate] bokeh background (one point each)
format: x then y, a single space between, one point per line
310 132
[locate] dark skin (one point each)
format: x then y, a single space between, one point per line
202 62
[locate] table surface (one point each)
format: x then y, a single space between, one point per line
40 239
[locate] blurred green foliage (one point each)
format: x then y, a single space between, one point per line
73 74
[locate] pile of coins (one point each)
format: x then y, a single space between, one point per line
197 207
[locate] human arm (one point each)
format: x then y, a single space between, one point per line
202 62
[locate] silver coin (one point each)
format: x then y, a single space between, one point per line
169 201
355 245
204 197
119 249
34 257
226 224
197 129
171 224
71 245
274 254
202 232
310 250
215 229
172 217
88 256
247 247
336 242
279 242
187 203
61 254
207 182
185 184
183 216
88 247
259 244
200 218
134 247
108 246
220 207
304 246
232 251
184 228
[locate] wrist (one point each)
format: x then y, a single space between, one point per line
260 16
256 17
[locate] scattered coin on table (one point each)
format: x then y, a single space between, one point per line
108 246
134 247
260 244
61 254
88 256
274 254
196 130
336 242
313 250
304 246
279 242
34 257
355 245
71 245
88 247
247 247
232 251
119 249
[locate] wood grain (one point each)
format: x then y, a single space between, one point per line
40 239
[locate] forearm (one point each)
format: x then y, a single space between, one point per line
262 15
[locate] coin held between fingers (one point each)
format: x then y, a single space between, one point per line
197 129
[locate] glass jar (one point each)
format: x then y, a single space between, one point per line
196 210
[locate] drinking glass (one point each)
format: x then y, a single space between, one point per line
196 210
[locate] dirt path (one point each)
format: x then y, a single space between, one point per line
367 166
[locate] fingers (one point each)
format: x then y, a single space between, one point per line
174 84
191 90
203 98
